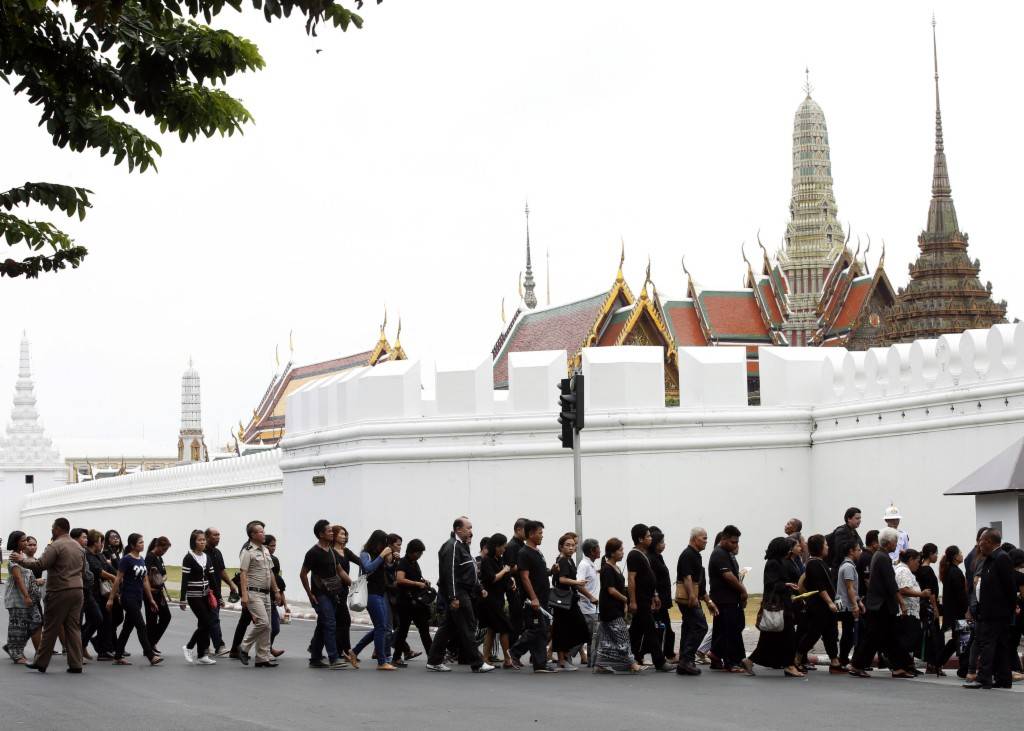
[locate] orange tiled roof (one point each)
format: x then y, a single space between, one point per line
683 323
733 315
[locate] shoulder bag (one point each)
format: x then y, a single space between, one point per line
682 595
424 597
560 597
771 615
333 583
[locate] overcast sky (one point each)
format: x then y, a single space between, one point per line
392 168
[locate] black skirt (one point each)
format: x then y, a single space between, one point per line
492 615
569 629
777 649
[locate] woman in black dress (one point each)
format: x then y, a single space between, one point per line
569 628
777 649
954 606
157 622
495 578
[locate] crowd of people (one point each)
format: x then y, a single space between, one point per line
872 603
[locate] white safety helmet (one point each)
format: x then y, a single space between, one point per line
892 513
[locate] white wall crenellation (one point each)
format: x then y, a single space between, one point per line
386 450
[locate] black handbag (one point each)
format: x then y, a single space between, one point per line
560 598
425 597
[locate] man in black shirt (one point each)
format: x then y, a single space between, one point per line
690 575
457 585
883 603
220 573
996 606
730 596
534 585
843 536
328 577
643 599
514 593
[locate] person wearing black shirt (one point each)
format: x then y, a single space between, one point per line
323 591
457 585
932 633
93 631
883 603
411 608
844 535
663 589
613 651
495 575
997 603
954 606
730 596
643 599
220 574
534 584
346 558
1017 629
693 589
568 627
113 617
821 608
777 649
158 621
196 573
514 592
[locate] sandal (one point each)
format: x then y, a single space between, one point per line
789 674
858 673
155 660
901 674
121 661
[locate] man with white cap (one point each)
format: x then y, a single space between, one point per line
892 519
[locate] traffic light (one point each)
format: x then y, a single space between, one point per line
570 407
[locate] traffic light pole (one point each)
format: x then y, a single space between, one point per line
577 491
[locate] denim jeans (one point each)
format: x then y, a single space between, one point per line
326 626
380 615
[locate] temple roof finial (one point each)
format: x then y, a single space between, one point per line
807 81
622 258
941 213
529 297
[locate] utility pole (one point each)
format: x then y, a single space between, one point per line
571 417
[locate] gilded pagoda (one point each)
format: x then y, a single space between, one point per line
945 294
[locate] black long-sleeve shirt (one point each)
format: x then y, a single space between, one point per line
456 569
954 596
882 590
998 595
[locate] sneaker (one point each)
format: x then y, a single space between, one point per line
666 668
338 664
439 668
485 668
189 653
549 668
243 657
567 668
318 664
206 660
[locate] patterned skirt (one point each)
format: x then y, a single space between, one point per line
613 649
22 622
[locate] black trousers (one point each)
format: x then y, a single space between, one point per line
644 637
133 621
533 638
105 641
409 614
820 625
515 614
668 636
880 634
93 620
200 639
158 621
343 625
692 632
993 640
849 639
727 635
460 623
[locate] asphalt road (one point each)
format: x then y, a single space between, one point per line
228 695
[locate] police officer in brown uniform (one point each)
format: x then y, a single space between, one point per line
257 588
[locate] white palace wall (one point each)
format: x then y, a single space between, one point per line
376 448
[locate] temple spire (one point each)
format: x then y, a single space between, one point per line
941 212
529 297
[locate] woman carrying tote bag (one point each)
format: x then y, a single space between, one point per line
776 649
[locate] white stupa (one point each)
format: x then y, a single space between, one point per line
29 462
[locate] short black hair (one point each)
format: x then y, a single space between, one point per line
268 539
928 550
637 533
415 546
77 533
14 539
63 523
871 538
816 544
850 512
531 526
485 543
731 531
909 555
520 524
459 522
993 536
251 526
319 526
